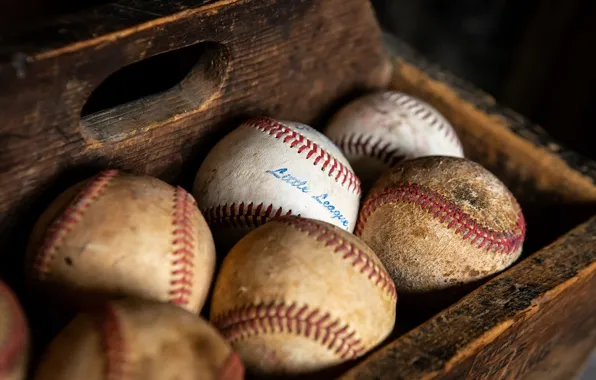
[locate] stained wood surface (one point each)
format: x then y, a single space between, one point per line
285 58
535 321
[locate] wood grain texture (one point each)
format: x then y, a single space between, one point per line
535 321
285 58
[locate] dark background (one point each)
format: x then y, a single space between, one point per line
535 56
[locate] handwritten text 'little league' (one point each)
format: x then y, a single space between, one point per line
303 186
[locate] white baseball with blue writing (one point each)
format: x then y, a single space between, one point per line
267 168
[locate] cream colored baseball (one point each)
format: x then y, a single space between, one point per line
14 336
299 295
267 168
139 340
122 234
439 222
380 129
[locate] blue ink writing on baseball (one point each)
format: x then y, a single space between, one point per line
303 186
290 179
335 214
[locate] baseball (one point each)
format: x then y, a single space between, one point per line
438 222
121 234
378 130
14 336
139 340
298 295
267 168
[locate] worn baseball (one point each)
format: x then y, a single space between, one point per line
121 234
438 222
267 168
139 340
378 130
14 336
298 295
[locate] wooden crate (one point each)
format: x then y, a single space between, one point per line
294 60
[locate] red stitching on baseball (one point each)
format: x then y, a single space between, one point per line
242 215
65 222
360 144
183 247
245 322
17 332
350 251
447 212
112 338
424 112
321 157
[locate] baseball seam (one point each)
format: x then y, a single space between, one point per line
67 220
17 332
426 114
448 213
247 321
350 251
321 158
112 336
183 248
390 155
242 215
357 144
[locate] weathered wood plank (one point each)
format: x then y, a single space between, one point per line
538 318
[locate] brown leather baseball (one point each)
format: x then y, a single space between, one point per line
14 336
298 295
121 234
437 222
135 339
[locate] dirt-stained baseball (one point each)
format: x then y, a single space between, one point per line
298 295
139 340
14 336
380 129
267 168
438 222
122 234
